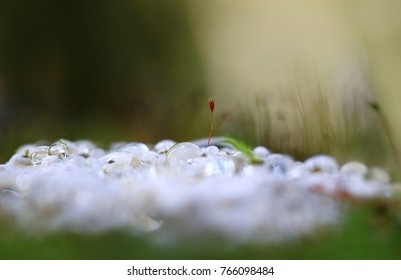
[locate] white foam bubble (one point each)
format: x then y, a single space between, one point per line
178 190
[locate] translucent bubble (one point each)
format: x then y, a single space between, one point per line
85 143
39 154
86 149
321 163
228 150
222 154
214 141
149 158
378 174
96 153
116 157
161 159
240 162
354 168
297 171
221 165
211 168
212 151
163 146
279 164
117 145
116 161
182 152
261 152
193 168
70 145
59 149
135 148
253 169
50 160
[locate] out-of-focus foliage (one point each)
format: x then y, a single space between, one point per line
300 74
109 70
296 76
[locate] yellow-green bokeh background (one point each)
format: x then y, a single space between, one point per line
295 76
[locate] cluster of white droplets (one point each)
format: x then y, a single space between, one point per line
180 189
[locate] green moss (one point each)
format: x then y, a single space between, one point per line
243 148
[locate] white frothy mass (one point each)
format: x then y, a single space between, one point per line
181 189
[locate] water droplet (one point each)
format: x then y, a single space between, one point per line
149 158
214 141
378 174
116 146
70 145
163 146
39 154
85 143
135 148
182 152
59 149
116 161
86 149
261 152
321 163
228 150
50 160
279 164
354 168
297 171
221 165
222 154
212 151
161 159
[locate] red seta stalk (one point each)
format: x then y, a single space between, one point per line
211 107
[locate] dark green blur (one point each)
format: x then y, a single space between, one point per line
103 70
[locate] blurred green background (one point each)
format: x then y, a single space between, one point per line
295 76
102 70
299 77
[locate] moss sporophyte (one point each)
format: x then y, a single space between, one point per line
235 143
211 107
